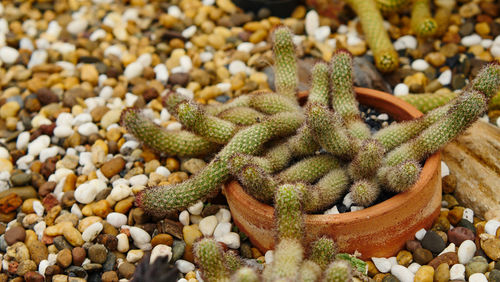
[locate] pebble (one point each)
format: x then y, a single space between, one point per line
401 89
88 129
15 234
419 65
8 55
207 225
311 22
402 273
491 227
116 219
126 270
134 255
433 242
77 26
184 217
196 208
445 77
471 40
123 244
442 273
457 272
97 253
141 238
382 264
466 251
478 277
91 232
424 274
184 266
160 251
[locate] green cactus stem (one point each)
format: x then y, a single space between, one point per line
367 161
327 191
319 93
288 211
398 133
285 63
364 192
240 101
242 115
160 200
401 177
356 264
444 9
329 131
303 143
390 6
174 143
245 274
272 103
257 182
288 256
323 251
212 128
386 57
172 100
209 256
338 271
421 21
309 272
232 261
309 169
429 101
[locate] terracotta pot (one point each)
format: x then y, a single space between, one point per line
377 231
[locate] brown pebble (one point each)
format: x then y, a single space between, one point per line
449 183
38 250
126 270
109 276
449 258
46 96
459 234
112 167
52 270
46 188
25 266
10 203
15 234
108 240
162 239
79 255
64 258
33 276
422 256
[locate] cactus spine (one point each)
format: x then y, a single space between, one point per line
209 256
421 21
245 274
309 271
364 192
386 58
367 160
338 271
323 251
242 115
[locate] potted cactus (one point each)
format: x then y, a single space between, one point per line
324 149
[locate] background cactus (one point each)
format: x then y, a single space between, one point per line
422 22
388 6
429 101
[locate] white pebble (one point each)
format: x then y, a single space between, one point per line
133 70
38 208
37 145
26 43
185 63
495 51
160 251
195 219
174 11
457 272
312 22
466 251
43 266
419 65
444 169
129 146
81 119
196 208
383 117
224 86
353 39
184 266
139 236
145 59
413 267
4 154
123 244
478 277
8 55
382 264
161 73
237 66
39 228
161 170
85 193
449 249
75 209
402 273
245 47
445 77
420 234
138 180
357 208
468 215
97 34
498 121
393 260
134 255
173 126
491 227
322 33
120 192
48 153
88 129
38 57
207 225
406 42
470 40
206 56
486 43
401 89
222 229
333 210
184 217
77 26
188 32
348 200
223 215
22 140
130 99
67 118
116 219
231 239
91 232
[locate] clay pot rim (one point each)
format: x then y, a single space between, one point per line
431 164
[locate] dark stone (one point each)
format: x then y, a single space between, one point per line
15 234
466 29
108 240
422 256
46 96
61 243
76 271
21 179
48 167
459 234
110 262
433 242
467 224
150 94
390 278
179 78
458 81
448 258
46 188
412 245
494 275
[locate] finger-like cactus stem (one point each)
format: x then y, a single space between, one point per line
389 6
367 161
257 183
160 200
212 128
329 131
240 101
421 21
386 58
209 256
288 211
175 143
309 169
285 63
242 115
429 101
288 257
444 9
245 274
401 177
326 192
319 93
172 100
364 192
338 271
488 80
323 251
303 143
232 261
309 271
271 103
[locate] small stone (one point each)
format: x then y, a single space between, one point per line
193 165
402 273
179 78
459 234
412 245
449 258
112 167
476 267
232 240
162 239
382 264
491 227
97 253
419 65
126 270
89 73
123 244
433 242
401 89
457 272
466 251
134 255
8 54
184 266
207 225
116 219
478 277
91 232
38 251
15 234
33 276
422 256
160 251
491 246
442 273
25 266
196 208
109 276
424 274
494 275
311 22
18 252
139 236
64 258
404 258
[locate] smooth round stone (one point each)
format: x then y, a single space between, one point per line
160 251
116 219
382 264
207 225
491 226
459 234
419 65
97 253
123 244
134 69
433 242
322 33
478 277
184 266
422 256
139 236
402 273
236 67
494 275
424 274
223 215
222 229
311 22
445 77
466 251
91 232
8 55
401 89
470 40
457 272
88 129
189 31
77 26
442 273
476 267
184 217
134 255
231 239
419 235
196 208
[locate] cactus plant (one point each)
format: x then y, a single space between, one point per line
388 6
421 21
428 101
